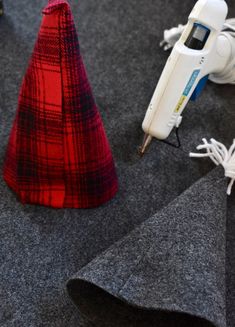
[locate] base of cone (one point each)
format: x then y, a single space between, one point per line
58 199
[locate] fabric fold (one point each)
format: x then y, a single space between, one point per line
170 271
58 153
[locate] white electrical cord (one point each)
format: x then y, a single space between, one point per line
220 155
230 24
171 37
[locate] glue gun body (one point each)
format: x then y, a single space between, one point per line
201 50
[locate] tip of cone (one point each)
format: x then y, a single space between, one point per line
55 5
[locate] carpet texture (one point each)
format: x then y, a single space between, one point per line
42 248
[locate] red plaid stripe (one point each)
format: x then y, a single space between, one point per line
58 154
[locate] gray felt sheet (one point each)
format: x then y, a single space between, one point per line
162 252
174 262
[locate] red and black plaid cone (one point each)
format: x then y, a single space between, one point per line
58 154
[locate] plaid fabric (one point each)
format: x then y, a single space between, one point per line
58 154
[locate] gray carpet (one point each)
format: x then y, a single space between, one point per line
41 248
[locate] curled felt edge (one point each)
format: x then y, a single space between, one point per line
180 318
107 279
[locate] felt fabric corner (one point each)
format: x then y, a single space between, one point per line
58 153
170 271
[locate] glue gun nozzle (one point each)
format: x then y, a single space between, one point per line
146 142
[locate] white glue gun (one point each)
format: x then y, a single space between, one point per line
204 50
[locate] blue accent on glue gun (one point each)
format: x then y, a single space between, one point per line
198 90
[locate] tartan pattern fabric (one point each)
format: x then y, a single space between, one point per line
58 154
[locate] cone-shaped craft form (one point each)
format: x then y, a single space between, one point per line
169 272
58 154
